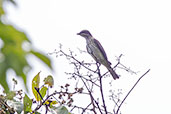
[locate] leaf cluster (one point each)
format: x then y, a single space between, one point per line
14 102
43 98
15 46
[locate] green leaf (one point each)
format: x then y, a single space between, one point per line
14 52
14 55
1 8
35 84
27 104
49 80
43 91
42 57
10 95
11 35
1 11
3 82
53 103
61 110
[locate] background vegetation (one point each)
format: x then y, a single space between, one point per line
15 46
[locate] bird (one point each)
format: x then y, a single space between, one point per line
95 49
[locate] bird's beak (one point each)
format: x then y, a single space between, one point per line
78 33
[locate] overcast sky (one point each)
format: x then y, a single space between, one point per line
139 29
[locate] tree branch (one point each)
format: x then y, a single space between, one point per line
101 89
131 90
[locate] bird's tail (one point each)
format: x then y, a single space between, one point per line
113 73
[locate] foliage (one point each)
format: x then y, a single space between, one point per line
14 101
27 104
10 105
42 98
13 52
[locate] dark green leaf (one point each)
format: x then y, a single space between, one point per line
42 57
27 104
13 51
3 82
14 55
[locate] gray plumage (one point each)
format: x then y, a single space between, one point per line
95 49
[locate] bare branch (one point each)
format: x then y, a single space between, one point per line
131 90
101 89
93 79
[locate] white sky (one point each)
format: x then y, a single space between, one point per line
139 29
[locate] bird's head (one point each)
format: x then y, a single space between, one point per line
85 34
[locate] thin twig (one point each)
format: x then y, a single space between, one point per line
91 97
77 61
86 108
131 90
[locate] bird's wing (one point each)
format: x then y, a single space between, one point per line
100 48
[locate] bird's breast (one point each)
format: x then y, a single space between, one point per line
93 50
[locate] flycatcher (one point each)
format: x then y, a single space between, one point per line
95 49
